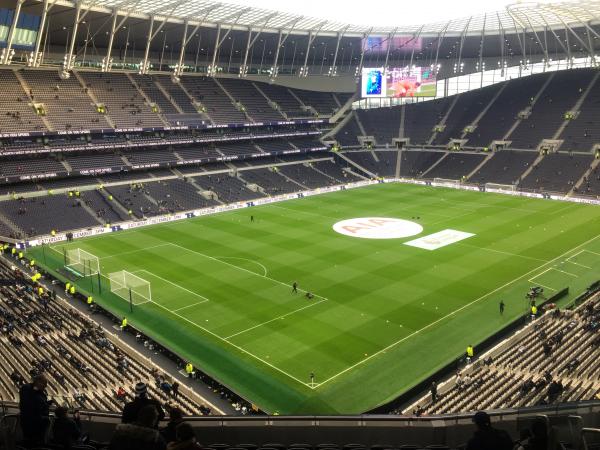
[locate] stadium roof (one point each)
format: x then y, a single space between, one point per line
515 18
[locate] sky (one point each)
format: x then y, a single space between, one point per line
382 13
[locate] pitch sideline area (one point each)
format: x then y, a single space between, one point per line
205 297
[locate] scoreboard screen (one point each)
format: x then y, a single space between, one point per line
398 82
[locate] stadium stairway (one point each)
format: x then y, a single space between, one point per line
533 165
586 175
356 165
481 164
577 106
484 110
148 100
167 95
91 95
442 122
435 164
27 89
233 101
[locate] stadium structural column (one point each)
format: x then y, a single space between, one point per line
416 36
69 58
35 59
389 47
178 70
480 63
144 64
441 36
333 67
502 34
107 61
212 69
6 53
280 41
250 43
69 61
589 50
462 42
363 48
312 35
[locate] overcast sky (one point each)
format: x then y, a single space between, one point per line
383 12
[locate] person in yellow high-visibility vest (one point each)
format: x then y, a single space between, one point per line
90 302
72 290
534 311
13 252
123 323
470 353
189 369
21 255
53 232
40 291
32 263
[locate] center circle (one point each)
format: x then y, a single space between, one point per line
377 228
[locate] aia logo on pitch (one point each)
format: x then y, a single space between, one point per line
378 228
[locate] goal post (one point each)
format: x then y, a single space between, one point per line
496 187
130 287
81 263
446 182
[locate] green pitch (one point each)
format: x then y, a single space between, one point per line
384 315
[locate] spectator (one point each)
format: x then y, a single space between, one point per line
433 391
121 394
175 389
140 435
486 437
66 432
186 438
132 409
34 408
175 418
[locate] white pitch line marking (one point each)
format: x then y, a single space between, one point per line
245 259
233 345
174 284
393 344
568 273
594 253
134 251
501 252
276 318
241 268
189 306
577 264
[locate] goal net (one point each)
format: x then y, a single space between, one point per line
127 285
81 263
446 182
495 187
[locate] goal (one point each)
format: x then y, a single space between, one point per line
130 287
495 187
446 182
81 263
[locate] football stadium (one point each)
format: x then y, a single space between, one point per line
267 226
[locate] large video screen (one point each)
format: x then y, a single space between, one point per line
398 82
